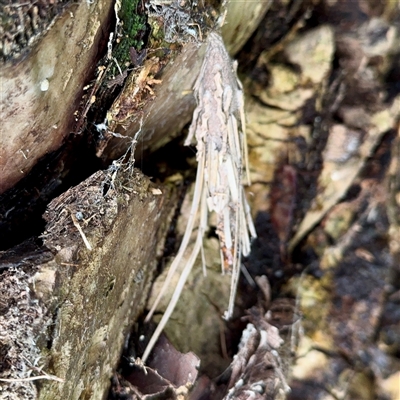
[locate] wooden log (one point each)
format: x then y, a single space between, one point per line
41 90
84 301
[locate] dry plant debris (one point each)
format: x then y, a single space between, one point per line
135 95
258 371
85 205
219 128
22 321
177 18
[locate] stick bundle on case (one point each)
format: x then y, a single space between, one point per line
219 128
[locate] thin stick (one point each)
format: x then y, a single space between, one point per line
179 287
33 378
186 237
77 226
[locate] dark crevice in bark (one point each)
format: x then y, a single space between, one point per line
22 206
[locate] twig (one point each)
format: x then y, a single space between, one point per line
77 226
33 378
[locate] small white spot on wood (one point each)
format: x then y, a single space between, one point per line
44 85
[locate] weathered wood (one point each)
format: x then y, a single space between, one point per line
163 118
242 19
41 92
90 299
